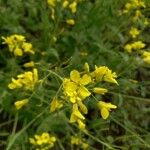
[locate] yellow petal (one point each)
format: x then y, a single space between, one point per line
102 104
81 124
73 118
104 113
55 104
29 64
65 3
75 76
73 6
110 77
21 103
83 92
70 88
75 140
15 84
83 108
70 22
18 52
111 106
76 112
100 90
86 79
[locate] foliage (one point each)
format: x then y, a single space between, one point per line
74 74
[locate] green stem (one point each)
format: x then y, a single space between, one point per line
131 97
13 139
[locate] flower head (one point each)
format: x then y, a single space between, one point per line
73 7
29 64
146 57
75 88
103 73
45 140
76 116
105 108
26 80
55 104
18 45
70 22
19 104
99 90
134 32
78 141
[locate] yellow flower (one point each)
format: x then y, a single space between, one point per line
75 77
128 48
103 73
70 22
84 146
76 116
110 77
75 140
100 90
51 3
146 57
128 7
138 45
15 84
55 104
74 87
105 108
27 47
18 45
18 52
29 64
138 3
65 3
78 141
137 15
83 108
44 140
73 7
26 80
134 32
19 104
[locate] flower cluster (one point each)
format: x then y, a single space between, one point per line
146 57
76 90
137 45
45 141
17 45
134 4
75 140
135 7
66 5
27 80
